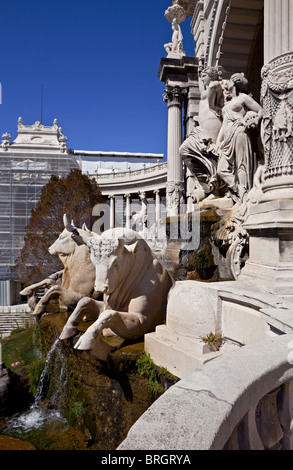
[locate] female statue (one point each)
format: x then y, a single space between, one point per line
199 149
236 165
203 136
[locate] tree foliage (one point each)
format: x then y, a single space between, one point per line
74 195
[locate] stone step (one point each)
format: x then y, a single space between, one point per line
12 317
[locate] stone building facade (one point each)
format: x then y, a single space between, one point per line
254 39
252 43
27 163
26 166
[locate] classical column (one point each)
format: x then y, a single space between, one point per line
157 205
174 96
128 210
270 222
278 28
112 210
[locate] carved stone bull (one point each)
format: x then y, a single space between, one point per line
135 286
78 276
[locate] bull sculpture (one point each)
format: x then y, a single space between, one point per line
78 276
135 286
74 282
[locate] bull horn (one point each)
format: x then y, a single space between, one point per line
84 227
67 225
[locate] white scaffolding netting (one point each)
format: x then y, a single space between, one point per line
22 178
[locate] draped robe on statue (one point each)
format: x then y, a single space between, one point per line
237 161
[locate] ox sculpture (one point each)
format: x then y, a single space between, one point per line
77 278
71 284
135 286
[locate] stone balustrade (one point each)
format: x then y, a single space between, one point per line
133 174
241 400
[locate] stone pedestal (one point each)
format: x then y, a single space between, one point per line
270 228
177 346
241 313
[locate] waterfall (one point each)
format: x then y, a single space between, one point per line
40 387
37 415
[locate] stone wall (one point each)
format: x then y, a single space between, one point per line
239 401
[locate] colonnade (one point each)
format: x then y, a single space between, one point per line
143 197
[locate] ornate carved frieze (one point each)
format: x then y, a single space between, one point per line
277 102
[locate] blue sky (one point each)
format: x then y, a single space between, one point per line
98 62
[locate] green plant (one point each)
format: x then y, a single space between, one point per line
151 372
77 411
22 347
212 339
127 361
17 330
201 260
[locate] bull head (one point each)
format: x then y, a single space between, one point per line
75 234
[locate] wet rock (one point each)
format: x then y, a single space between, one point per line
13 396
10 443
102 399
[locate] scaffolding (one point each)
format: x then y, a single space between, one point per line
22 177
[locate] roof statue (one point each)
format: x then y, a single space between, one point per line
175 14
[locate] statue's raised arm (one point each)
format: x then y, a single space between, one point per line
198 151
175 47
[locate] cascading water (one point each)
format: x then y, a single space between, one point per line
37 416
40 387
